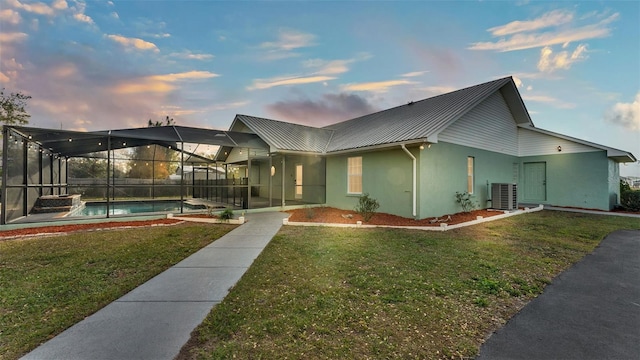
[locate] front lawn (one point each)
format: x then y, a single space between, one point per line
48 284
341 293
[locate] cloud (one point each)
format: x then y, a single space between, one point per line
289 40
83 18
189 75
550 19
517 81
378 86
188 55
548 100
135 43
562 60
521 39
327 110
327 67
9 16
38 7
12 37
4 78
159 83
59 4
261 84
414 73
626 115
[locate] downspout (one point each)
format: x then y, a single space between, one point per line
413 159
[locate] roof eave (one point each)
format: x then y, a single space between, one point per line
380 146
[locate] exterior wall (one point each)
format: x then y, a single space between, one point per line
489 126
443 172
386 175
578 179
535 143
614 184
313 179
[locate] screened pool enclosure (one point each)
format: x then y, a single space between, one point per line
60 172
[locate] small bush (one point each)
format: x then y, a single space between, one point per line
211 211
464 200
226 215
367 206
309 212
630 200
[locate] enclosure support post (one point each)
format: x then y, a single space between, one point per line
283 179
153 172
25 181
181 177
108 167
248 178
270 180
3 196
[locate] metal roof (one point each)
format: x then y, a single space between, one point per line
413 121
75 143
286 136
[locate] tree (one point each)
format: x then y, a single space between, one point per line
152 161
12 108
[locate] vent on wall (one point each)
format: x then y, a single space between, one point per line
504 196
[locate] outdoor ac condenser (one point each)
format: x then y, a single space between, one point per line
504 196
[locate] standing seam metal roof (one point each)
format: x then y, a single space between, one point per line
287 136
412 121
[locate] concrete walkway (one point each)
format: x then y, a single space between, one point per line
591 311
155 320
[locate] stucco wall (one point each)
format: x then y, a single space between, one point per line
386 176
578 180
443 171
614 184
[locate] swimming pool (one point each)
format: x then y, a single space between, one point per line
134 207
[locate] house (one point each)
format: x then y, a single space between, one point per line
415 157
412 158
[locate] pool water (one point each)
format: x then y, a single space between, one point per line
133 207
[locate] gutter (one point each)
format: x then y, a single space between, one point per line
413 159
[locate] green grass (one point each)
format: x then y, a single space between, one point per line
373 293
48 284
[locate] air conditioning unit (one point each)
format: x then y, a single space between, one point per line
504 196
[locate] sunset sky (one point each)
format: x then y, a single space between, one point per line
114 64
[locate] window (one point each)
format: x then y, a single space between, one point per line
354 175
470 161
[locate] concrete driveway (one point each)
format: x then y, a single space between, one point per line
591 311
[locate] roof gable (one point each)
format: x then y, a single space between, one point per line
422 119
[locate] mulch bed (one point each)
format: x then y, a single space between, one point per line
83 227
337 216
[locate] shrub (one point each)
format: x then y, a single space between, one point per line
624 187
226 215
367 206
464 200
630 200
309 212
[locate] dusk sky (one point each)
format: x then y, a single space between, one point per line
115 64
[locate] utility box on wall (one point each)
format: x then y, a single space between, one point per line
504 196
